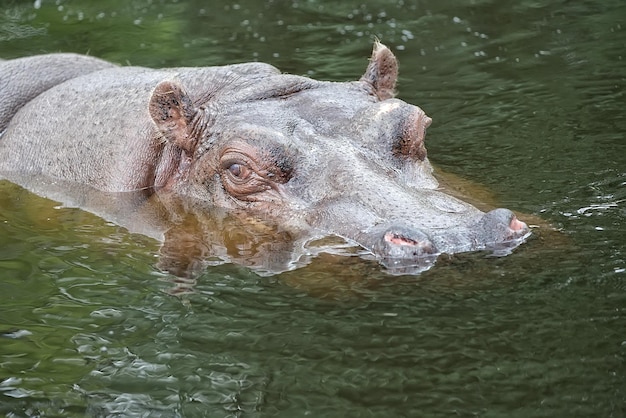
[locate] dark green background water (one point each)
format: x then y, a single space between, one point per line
527 98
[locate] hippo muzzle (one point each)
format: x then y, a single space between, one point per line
401 246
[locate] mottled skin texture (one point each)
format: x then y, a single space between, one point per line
24 79
316 158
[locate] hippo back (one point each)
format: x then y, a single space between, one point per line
23 79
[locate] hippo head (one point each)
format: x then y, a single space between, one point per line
321 159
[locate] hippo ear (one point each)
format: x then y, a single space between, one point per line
382 71
172 111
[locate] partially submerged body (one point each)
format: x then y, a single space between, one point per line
195 154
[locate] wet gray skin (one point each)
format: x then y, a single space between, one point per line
314 158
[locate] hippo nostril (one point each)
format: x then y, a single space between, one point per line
502 226
397 239
516 225
409 243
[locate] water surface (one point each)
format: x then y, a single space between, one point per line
527 99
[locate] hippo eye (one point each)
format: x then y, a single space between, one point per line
238 171
235 170
248 175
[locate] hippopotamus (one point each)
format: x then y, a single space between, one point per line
311 159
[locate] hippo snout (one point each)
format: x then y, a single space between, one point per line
404 246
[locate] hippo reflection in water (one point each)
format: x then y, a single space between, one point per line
239 163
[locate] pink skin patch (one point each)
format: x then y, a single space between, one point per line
517 225
397 239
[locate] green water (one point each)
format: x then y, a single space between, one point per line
527 98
